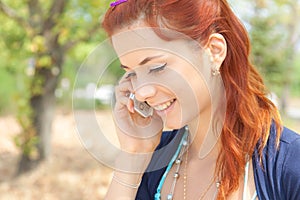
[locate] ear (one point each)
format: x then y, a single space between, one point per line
217 48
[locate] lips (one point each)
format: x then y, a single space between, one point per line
164 106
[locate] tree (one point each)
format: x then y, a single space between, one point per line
292 28
49 29
275 35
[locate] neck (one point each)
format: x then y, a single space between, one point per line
204 142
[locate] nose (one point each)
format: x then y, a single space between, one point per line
145 92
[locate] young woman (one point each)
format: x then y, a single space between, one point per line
252 156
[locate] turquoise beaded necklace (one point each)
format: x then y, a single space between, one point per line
177 159
182 143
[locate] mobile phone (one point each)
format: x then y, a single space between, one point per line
142 108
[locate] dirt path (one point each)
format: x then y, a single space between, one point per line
70 173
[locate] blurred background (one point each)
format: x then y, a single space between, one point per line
44 43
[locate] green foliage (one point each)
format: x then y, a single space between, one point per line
27 139
273 29
14 57
267 54
295 87
34 35
7 90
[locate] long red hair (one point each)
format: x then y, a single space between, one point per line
249 113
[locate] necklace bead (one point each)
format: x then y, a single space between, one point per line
185 143
178 161
169 197
176 175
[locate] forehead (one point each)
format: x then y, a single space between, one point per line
134 39
137 43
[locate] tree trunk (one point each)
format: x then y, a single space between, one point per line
43 108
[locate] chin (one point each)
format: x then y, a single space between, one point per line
179 123
176 125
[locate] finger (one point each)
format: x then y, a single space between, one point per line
122 90
121 103
130 105
123 100
125 86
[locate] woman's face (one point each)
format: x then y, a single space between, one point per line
167 75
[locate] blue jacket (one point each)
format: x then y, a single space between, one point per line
277 178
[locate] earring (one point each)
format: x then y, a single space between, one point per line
215 71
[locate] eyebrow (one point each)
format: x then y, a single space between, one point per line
146 60
149 59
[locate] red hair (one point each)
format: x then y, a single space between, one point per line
249 113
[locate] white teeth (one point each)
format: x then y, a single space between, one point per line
163 106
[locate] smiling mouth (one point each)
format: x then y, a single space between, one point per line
164 106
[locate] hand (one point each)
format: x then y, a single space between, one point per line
136 133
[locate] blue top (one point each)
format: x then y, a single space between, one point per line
278 177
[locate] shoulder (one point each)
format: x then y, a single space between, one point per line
291 163
289 143
278 175
289 151
289 137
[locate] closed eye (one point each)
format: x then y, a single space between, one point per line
130 74
158 68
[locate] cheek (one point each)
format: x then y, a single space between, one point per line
198 88
202 95
194 100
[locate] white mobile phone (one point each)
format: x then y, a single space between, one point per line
142 108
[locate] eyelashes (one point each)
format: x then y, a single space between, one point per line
152 70
157 69
130 74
